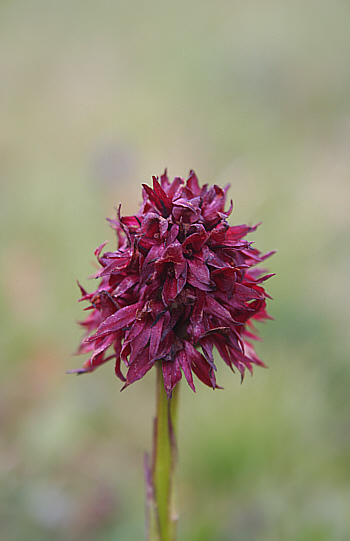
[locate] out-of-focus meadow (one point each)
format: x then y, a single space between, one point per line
95 98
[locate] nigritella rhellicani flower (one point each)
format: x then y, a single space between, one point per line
181 283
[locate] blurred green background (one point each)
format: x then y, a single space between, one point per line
95 98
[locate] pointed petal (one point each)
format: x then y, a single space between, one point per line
171 374
139 343
197 315
129 281
100 248
225 279
164 198
198 275
156 334
117 321
186 368
169 292
192 183
164 180
199 365
122 261
237 232
84 293
207 347
150 224
105 303
117 369
195 241
217 310
138 368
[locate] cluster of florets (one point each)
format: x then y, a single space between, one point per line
180 283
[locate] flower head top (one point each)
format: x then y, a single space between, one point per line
181 282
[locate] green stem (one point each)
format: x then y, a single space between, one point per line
162 516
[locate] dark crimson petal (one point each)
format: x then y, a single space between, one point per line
234 305
192 183
237 232
117 321
200 366
243 294
118 338
241 361
198 275
174 187
128 282
214 308
165 200
228 212
156 335
100 346
193 281
173 233
164 180
170 322
105 303
188 204
138 368
182 278
87 366
196 240
200 270
139 343
118 264
171 374
187 210
186 367
213 204
135 330
197 315
250 353
148 266
214 260
117 369
125 352
222 347
131 222
163 229
84 293
92 321
100 248
150 224
257 280
207 347
169 292
224 279
150 290
165 350
155 200
137 338
218 234
173 253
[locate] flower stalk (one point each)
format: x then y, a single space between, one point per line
160 480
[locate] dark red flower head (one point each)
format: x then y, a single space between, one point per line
181 283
